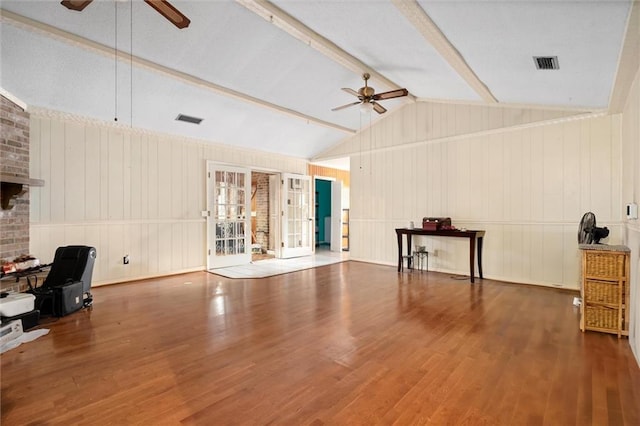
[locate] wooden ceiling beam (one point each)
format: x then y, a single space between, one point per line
108 51
287 23
416 15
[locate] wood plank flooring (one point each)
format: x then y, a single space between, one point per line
350 343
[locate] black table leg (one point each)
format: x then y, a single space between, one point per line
472 255
480 256
399 235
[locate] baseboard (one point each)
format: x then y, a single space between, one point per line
146 277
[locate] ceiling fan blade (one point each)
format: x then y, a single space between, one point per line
345 106
351 92
171 13
75 4
391 94
378 108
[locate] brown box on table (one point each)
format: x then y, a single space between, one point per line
435 223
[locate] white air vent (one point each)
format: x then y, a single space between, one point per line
546 62
188 119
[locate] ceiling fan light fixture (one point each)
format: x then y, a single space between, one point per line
366 107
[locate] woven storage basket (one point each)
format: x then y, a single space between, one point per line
601 292
603 264
601 317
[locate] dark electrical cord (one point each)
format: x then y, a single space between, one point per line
115 55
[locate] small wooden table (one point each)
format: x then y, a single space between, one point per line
471 235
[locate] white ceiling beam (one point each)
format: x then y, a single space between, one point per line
629 61
416 15
108 51
287 23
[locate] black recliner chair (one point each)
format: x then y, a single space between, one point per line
67 287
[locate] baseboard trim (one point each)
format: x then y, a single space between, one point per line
147 277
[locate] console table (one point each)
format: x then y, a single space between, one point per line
471 235
13 281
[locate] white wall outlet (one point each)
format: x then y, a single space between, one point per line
632 211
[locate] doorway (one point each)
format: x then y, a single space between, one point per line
323 214
262 216
328 214
256 215
297 221
281 221
227 215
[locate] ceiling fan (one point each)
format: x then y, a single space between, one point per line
162 6
367 96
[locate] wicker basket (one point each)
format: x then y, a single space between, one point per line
601 291
603 264
601 317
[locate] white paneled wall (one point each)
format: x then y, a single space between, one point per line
631 193
431 121
527 186
126 192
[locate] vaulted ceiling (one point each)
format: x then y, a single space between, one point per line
265 75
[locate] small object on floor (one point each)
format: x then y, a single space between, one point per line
10 332
23 338
16 304
421 258
29 319
409 260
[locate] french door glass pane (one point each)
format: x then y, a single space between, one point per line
231 178
229 213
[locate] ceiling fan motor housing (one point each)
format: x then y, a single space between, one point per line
366 91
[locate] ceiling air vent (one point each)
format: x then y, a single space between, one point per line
546 62
188 119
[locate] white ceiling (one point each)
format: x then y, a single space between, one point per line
258 86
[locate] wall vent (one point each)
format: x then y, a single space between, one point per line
188 119
546 62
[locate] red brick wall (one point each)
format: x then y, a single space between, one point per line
262 209
14 160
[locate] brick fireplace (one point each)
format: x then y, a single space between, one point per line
14 162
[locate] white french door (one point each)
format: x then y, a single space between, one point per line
275 215
228 220
297 221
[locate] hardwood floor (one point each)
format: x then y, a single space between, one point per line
350 343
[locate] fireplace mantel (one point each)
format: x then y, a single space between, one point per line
11 186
